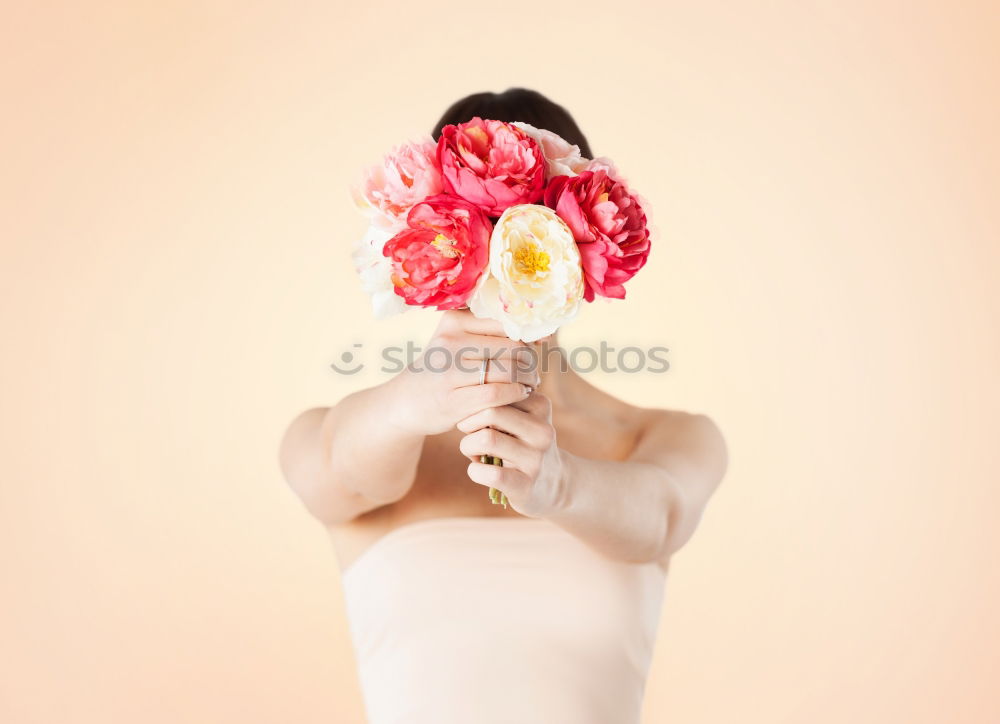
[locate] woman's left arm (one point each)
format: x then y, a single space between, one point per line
642 509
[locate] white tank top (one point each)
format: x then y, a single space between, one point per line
474 620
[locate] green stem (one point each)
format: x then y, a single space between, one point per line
496 497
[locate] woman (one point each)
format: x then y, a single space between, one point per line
464 611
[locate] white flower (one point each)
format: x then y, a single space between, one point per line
563 157
534 281
375 271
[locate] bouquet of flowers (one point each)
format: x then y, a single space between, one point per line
506 219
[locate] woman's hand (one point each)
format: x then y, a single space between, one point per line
520 434
443 385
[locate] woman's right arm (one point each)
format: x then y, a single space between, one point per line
345 460
362 453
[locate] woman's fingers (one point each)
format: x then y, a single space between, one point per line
536 404
504 371
462 354
514 452
466 321
470 399
491 442
508 480
503 364
531 428
480 346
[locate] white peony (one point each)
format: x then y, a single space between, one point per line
375 271
534 282
562 157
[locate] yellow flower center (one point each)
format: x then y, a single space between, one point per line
445 245
530 259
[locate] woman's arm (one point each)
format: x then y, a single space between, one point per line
362 453
642 509
335 458
647 507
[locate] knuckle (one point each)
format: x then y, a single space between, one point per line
493 393
465 362
502 368
526 359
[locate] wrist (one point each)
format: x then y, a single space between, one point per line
562 496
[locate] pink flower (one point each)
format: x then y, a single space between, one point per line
608 223
438 260
562 157
601 163
492 164
406 176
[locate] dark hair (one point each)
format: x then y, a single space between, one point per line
516 104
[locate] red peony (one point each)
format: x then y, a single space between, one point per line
438 259
492 164
609 226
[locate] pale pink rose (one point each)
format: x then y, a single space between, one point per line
562 157
601 163
406 176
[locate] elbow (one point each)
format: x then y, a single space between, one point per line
321 478
299 444
685 500
678 519
304 463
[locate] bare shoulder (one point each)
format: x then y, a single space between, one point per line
679 423
676 438
680 438
659 424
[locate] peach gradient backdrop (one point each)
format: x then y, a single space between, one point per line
175 228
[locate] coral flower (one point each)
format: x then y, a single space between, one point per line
438 260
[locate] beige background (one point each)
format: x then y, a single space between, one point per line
175 227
